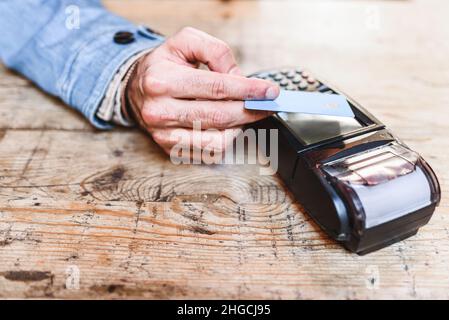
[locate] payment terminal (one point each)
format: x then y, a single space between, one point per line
362 185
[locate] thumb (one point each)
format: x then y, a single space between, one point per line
197 46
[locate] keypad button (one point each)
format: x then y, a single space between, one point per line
294 80
297 79
278 77
291 74
303 85
311 80
305 74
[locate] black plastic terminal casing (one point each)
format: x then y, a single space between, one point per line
333 205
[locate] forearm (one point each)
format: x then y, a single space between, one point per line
75 64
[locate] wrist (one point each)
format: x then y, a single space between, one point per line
133 98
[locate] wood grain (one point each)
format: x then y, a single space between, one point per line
111 205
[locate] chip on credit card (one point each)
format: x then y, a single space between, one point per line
304 102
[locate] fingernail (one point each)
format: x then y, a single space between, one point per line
272 93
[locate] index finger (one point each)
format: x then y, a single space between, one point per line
188 83
211 114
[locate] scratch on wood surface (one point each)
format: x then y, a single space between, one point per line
31 157
138 213
27 276
159 291
201 230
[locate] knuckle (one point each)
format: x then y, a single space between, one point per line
184 116
153 85
218 89
151 116
219 119
221 50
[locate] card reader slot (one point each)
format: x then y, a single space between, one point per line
355 163
373 167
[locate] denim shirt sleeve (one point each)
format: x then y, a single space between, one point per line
42 40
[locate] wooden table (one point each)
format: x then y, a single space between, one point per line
89 214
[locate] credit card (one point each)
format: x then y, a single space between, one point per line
305 102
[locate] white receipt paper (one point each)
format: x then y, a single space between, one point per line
305 102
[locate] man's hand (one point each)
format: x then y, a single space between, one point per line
170 92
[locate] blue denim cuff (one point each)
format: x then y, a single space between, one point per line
88 76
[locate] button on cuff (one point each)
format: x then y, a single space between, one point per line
124 37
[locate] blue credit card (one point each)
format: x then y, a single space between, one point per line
305 102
